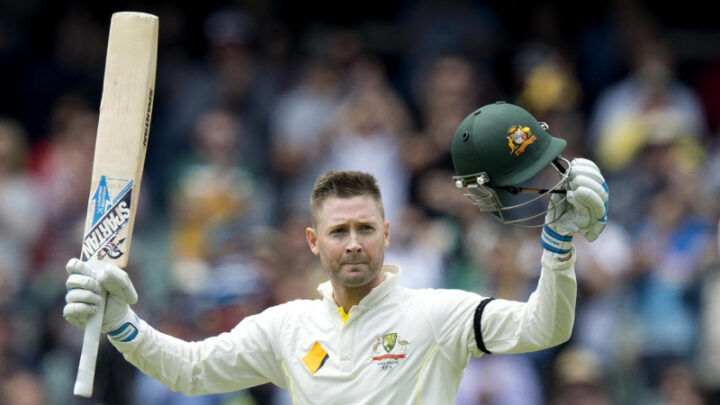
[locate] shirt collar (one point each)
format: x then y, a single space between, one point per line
391 272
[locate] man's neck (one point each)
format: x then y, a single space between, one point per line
348 297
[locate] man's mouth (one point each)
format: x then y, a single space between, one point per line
354 262
354 259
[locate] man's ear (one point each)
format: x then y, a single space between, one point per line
387 233
312 240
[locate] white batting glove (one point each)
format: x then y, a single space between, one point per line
583 210
86 282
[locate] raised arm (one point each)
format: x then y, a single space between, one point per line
546 319
230 361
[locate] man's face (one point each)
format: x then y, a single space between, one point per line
350 236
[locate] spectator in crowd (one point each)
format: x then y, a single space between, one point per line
650 93
369 125
450 89
298 126
671 243
21 210
63 165
578 379
214 194
22 388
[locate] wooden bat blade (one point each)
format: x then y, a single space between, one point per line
122 136
120 146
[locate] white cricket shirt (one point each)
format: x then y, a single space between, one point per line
398 346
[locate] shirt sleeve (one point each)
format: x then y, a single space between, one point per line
235 360
545 320
450 314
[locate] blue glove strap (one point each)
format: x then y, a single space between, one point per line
125 333
555 242
607 207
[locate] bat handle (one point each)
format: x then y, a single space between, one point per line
88 356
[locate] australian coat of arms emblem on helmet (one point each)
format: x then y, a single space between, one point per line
519 138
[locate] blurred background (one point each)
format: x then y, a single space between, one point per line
255 98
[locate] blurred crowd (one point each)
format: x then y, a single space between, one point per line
252 104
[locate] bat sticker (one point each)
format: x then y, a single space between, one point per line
111 213
112 249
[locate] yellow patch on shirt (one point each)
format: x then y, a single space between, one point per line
315 358
344 316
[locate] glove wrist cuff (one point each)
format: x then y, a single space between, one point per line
554 242
125 329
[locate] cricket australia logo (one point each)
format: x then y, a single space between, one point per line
519 138
395 350
110 209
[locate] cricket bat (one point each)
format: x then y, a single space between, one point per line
120 146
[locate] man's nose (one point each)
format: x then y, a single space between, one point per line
353 245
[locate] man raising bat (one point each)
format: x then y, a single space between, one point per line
368 340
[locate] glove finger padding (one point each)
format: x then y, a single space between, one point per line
592 184
584 168
94 275
86 283
588 205
584 209
77 266
78 313
117 282
585 165
561 214
81 281
589 197
83 296
594 231
557 206
584 171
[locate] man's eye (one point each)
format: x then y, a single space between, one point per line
338 231
366 229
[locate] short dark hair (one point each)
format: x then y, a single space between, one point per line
343 184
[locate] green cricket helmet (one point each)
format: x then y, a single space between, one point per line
508 164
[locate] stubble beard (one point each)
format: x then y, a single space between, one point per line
358 271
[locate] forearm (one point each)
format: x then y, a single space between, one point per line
545 320
165 358
193 368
